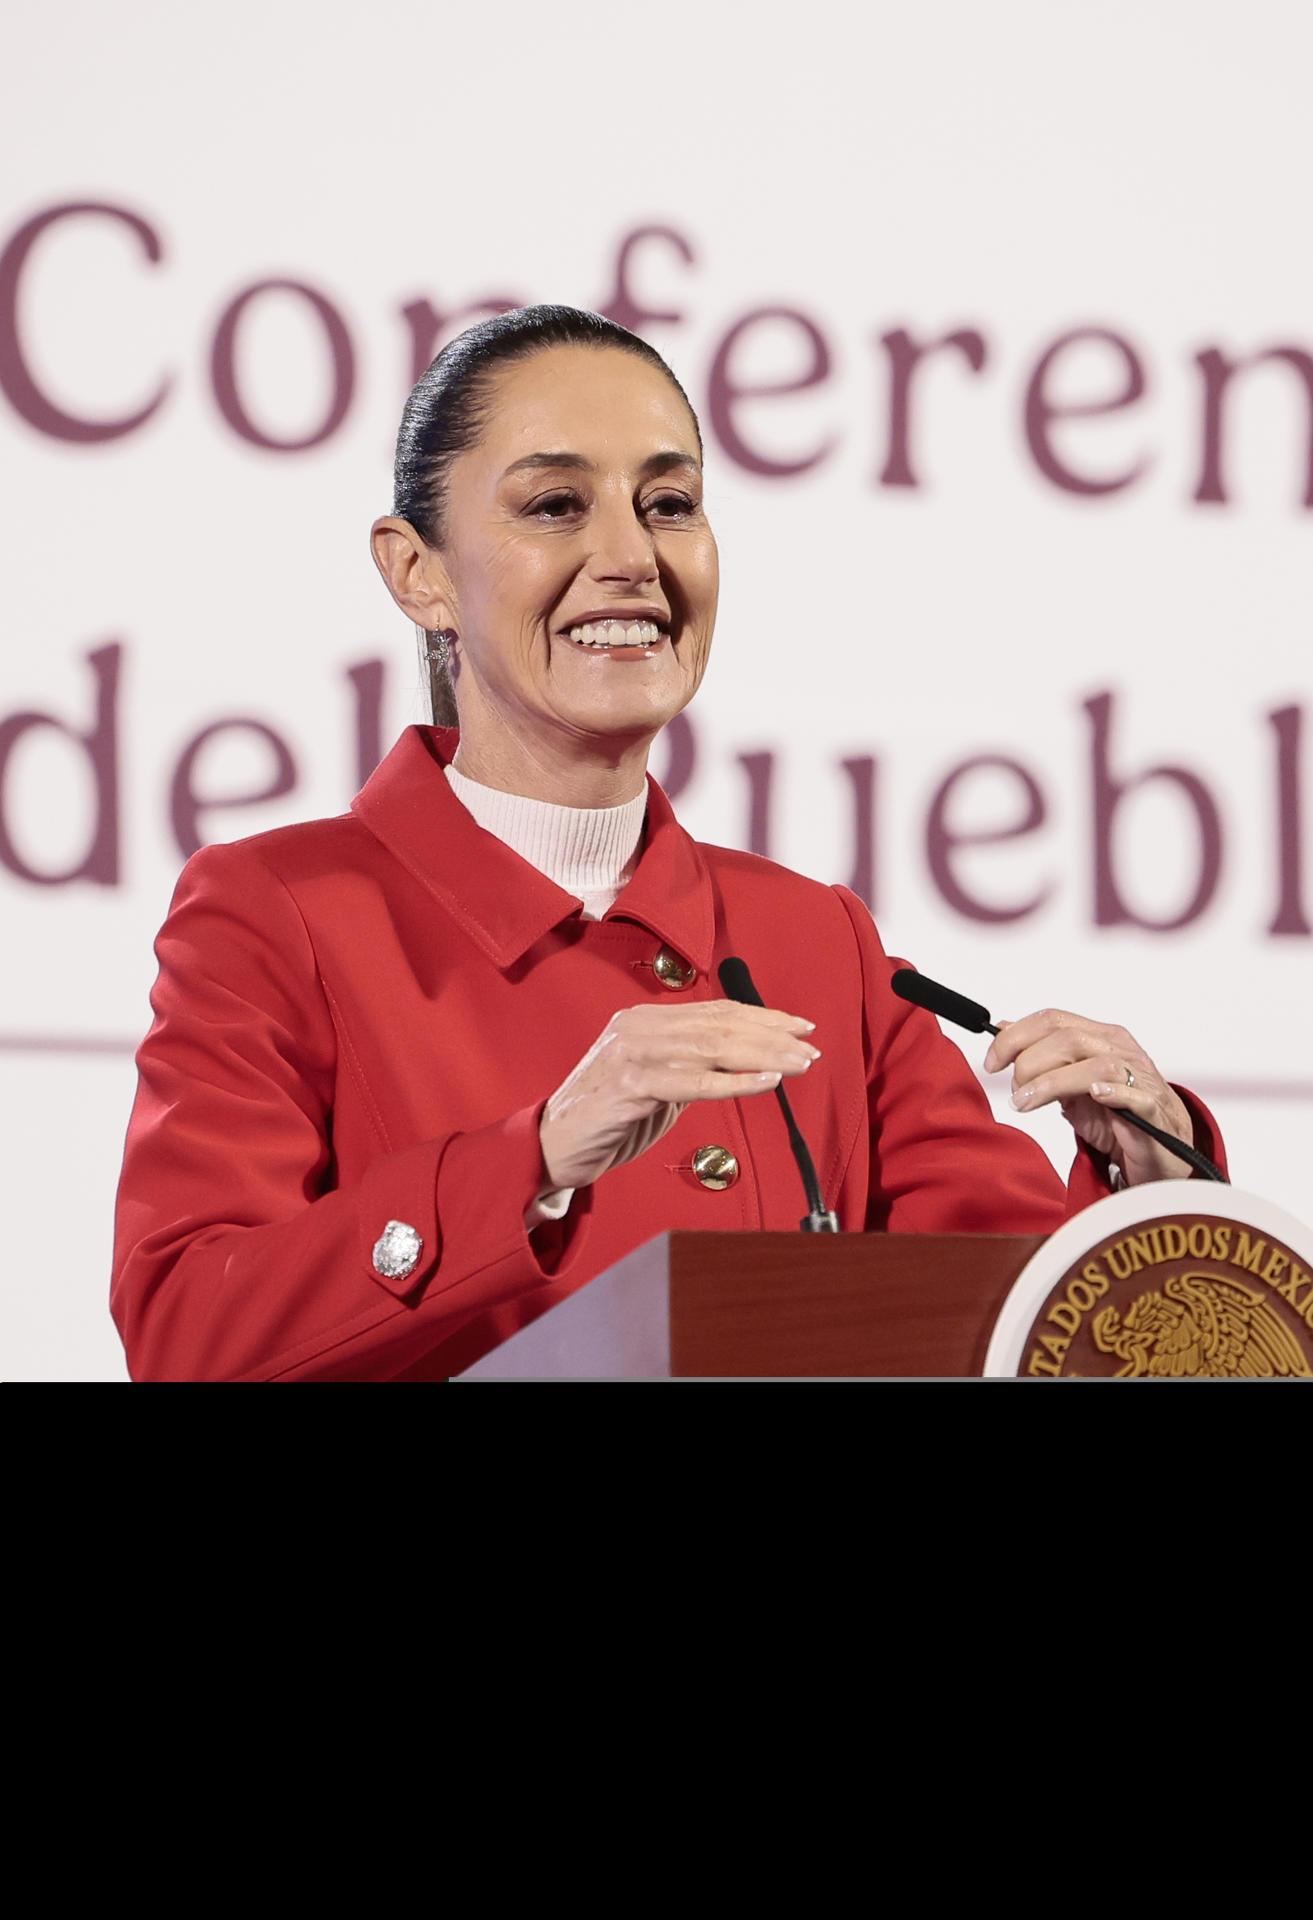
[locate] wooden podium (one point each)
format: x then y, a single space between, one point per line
776 1305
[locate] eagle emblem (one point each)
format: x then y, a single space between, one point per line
1200 1327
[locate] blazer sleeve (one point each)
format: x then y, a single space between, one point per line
941 1163
237 1256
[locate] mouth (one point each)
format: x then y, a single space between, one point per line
620 636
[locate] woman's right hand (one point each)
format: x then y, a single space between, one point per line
649 1063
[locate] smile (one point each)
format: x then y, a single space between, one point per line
617 633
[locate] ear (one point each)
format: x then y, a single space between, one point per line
413 573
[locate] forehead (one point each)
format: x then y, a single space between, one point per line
587 400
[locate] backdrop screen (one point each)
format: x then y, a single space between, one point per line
999 321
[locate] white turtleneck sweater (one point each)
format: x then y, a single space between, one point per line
587 851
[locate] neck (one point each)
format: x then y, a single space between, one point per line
563 772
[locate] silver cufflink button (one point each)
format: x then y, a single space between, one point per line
397 1250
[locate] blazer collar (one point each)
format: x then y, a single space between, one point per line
503 903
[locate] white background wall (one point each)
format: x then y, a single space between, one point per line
1023 171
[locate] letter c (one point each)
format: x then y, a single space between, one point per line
19 387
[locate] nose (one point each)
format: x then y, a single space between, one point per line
623 549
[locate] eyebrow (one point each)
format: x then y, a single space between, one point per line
655 463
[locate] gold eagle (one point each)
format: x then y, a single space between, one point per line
1200 1327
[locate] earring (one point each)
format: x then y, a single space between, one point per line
439 648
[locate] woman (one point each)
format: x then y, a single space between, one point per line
418 1072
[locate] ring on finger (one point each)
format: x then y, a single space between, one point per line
1130 1078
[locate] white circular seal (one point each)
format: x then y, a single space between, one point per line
1089 1229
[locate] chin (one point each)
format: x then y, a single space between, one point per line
629 715
622 727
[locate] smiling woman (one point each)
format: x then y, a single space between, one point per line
418 1072
550 524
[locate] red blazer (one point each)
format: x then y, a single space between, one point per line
358 1020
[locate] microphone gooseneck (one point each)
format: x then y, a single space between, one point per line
738 985
921 992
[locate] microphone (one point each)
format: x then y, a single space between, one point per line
737 984
943 1001
913 986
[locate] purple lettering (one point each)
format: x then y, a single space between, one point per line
943 841
367 682
620 304
905 355
99 743
1290 916
1110 909
726 394
16 381
1217 371
186 805
861 773
760 769
223 370
1041 411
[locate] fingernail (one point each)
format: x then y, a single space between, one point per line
815 1052
1023 1097
809 1026
769 1079
1101 1087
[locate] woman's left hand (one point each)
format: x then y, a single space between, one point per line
1089 1069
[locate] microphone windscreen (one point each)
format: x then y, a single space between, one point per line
737 982
909 985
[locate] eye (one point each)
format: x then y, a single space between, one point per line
671 506
555 506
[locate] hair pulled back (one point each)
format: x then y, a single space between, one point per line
449 407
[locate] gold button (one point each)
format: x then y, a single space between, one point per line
673 972
715 1167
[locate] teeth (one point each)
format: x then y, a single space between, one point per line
616 633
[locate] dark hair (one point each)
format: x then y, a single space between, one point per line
449 406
